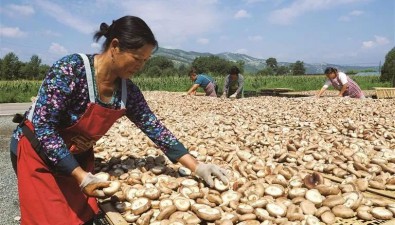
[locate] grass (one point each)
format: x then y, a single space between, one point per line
23 90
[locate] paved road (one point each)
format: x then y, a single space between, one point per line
7 109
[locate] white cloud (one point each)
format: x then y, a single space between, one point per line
203 41
174 21
356 13
242 14
255 38
13 32
14 10
253 1
57 49
95 45
52 33
378 41
353 13
62 15
344 18
381 40
287 15
368 44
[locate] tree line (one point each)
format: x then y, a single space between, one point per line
13 69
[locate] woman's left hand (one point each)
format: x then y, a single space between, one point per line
205 171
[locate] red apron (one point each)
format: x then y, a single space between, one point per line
52 199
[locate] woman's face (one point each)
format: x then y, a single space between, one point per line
193 76
331 75
129 62
233 76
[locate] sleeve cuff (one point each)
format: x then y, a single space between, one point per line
67 165
175 152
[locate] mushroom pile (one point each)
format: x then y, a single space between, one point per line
275 150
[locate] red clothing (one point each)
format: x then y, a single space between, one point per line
51 199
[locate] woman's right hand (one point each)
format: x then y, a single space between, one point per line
89 184
92 186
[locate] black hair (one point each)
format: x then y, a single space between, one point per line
330 70
131 31
193 70
234 70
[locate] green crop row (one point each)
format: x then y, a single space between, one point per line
23 90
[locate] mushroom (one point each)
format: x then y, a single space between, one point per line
313 179
328 189
274 190
308 207
352 199
184 171
182 204
262 214
140 205
145 218
312 220
219 185
152 193
166 212
381 213
343 211
103 176
297 192
333 200
244 209
216 199
114 187
314 196
130 217
247 217
294 213
363 212
328 217
229 196
276 210
208 214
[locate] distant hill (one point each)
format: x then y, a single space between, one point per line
252 64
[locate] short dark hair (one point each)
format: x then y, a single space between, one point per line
234 70
330 70
131 32
193 70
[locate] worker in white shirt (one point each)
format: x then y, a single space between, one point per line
341 82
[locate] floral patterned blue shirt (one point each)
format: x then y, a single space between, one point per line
63 99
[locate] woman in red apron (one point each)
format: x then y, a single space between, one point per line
79 100
341 82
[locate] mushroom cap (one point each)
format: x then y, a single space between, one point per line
140 205
208 214
313 179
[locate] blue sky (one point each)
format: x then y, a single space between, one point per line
357 32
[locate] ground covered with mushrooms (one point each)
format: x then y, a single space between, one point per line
278 152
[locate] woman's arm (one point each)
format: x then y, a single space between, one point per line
56 93
344 89
241 84
193 89
226 85
326 85
321 92
138 111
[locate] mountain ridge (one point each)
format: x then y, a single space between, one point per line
252 64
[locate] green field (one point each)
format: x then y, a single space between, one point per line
23 90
